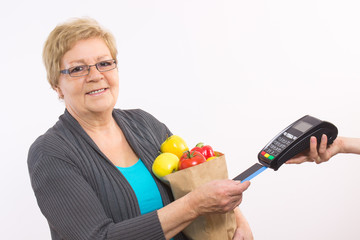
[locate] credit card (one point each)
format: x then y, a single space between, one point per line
250 173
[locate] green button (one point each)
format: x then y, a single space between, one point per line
271 157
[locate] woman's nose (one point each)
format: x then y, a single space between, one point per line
94 74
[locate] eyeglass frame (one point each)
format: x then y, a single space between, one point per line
67 71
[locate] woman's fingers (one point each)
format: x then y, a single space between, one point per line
242 186
220 196
237 198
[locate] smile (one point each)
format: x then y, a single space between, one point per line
96 91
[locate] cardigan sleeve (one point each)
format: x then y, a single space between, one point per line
71 206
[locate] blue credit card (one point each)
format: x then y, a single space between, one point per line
250 173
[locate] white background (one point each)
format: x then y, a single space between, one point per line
229 73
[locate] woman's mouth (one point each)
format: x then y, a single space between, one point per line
96 91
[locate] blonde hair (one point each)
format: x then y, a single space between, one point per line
64 37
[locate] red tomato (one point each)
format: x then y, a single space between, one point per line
206 150
191 158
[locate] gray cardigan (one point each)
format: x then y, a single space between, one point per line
82 194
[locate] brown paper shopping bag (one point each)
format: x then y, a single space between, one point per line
211 226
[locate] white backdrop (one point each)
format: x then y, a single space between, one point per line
231 73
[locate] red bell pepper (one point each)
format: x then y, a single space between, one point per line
206 150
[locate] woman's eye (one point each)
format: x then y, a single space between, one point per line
105 63
77 69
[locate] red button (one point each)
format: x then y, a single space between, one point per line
263 153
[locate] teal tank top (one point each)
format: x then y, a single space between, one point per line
144 186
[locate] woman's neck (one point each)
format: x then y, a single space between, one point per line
94 123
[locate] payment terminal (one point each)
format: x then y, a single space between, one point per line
289 142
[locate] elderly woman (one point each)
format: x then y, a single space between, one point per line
91 172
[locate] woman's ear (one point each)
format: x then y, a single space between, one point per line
59 92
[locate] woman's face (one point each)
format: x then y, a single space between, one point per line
94 93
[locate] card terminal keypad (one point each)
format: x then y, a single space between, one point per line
278 145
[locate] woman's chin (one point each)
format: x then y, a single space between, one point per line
101 107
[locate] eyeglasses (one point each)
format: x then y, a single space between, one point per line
83 70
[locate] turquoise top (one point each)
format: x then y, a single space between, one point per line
144 186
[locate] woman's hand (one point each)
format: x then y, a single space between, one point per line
321 154
243 234
218 196
243 231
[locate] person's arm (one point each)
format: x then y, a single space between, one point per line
74 210
351 145
324 152
219 196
